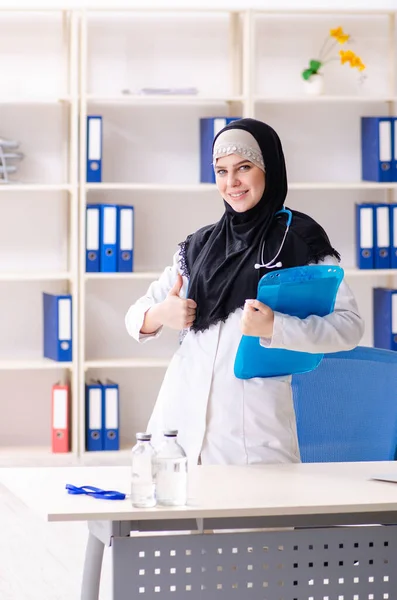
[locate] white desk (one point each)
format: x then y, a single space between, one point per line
310 562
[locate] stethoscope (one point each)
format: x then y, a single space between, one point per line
271 264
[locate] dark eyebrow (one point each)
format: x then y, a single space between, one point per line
235 165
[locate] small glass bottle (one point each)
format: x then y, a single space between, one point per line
142 482
170 471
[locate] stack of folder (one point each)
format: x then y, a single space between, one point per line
109 238
376 236
102 410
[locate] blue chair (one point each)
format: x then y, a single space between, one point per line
346 409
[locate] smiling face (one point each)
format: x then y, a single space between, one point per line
240 182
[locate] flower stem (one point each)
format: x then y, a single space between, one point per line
330 60
330 49
324 45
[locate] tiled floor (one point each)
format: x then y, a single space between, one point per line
39 560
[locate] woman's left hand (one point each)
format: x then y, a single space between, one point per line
257 319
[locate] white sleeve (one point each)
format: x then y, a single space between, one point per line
340 330
156 293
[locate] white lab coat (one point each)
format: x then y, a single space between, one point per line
222 419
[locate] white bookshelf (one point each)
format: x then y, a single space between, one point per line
106 458
35 276
226 94
13 188
34 100
34 365
354 272
35 456
250 66
208 187
39 108
163 100
121 457
151 187
343 185
349 271
131 363
245 96
324 99
134 275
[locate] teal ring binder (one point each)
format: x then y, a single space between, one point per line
298 292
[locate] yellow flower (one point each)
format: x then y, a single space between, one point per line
328 53
356 62
345 56
339 35
348 56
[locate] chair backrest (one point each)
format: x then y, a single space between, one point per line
346 409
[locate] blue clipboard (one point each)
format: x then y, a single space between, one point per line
299 292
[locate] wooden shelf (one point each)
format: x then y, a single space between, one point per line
159 100
152 275
152 187
38 456
36 276
210 187
324 99
118 457
34 187
325 11
134 275
30 365
127 363
353 272
342 185
32 100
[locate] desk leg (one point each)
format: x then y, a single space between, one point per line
92 568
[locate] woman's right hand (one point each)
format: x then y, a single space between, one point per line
176 312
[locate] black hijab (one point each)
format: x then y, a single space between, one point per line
219 259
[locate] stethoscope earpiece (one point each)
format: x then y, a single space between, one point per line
278 264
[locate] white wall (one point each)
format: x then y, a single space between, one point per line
160 145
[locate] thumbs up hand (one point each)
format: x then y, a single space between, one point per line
176 289
175 312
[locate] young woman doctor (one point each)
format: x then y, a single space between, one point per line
209 291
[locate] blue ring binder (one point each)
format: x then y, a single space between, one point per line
299 292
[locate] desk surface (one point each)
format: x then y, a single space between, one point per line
214 491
